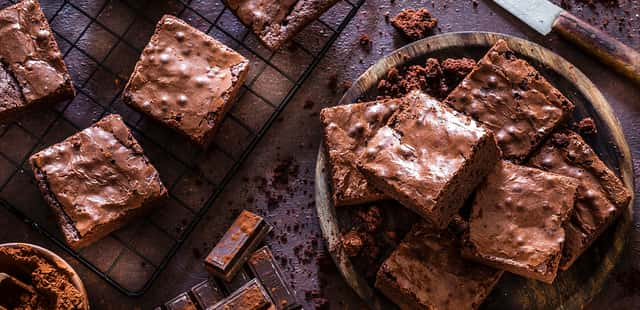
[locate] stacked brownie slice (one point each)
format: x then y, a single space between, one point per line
31 67
600 196
510 96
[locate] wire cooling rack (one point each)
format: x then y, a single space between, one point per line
101 42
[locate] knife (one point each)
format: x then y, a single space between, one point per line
544 16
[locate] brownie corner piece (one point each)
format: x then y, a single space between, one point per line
277 22
186 79
32 63
426 267
512 98
96 180
429 157
600 197
346 129
517 219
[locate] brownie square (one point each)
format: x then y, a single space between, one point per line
275 22
429 157
186 80
600 196
426 271
346 131
511 98
96 181
516 220
32 70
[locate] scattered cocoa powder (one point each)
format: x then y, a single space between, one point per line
415 24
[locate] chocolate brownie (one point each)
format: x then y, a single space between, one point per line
32 70
96 180
516 220
186 79
426 271
415 24
429 157
511 97
346 131
275 22
600 197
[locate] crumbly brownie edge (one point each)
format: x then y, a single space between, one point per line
296 22
70 233
484 157
451 201
344 201
239 74
386 284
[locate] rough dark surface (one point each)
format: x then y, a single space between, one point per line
291 207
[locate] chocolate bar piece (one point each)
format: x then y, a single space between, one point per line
265 268
252 296
242 238
206 293
14 293
180 302
241 278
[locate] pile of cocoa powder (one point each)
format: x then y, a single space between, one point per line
52 285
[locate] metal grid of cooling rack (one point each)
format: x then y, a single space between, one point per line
101 41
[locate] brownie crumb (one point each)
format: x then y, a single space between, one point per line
365 41
352 243
587 126
433 78
415 24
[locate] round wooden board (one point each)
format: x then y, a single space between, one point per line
573 288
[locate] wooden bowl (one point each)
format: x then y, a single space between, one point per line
58 262
573 288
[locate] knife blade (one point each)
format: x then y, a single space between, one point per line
538 14
544 17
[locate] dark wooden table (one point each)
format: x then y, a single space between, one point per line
292 143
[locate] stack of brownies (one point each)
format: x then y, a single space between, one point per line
244 278
539 194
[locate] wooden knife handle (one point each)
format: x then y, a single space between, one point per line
621 57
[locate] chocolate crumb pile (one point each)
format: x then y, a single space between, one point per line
370 237
49 286
434 78
587 126
415 24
